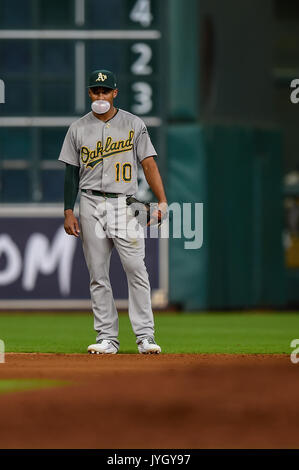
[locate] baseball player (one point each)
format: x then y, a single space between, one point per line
101 151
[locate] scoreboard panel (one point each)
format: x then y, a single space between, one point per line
47 50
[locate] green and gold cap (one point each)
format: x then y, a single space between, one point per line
103 78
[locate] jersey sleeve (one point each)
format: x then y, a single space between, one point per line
69 151
144 146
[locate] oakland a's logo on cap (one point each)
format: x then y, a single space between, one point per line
101 77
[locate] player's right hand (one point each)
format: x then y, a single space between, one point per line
71 224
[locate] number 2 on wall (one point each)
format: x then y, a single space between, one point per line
123 172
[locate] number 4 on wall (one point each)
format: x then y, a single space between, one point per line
141 13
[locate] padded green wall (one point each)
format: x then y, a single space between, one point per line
236 172
183 59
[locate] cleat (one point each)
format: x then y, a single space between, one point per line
104 346
148 345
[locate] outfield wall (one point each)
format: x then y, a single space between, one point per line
235 171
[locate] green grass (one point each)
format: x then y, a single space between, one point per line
17 385
176 333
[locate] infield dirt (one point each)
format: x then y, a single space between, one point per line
132 401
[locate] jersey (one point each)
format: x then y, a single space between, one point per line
107 153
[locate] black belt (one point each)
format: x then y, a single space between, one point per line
100 193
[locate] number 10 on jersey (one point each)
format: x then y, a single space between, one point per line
123 171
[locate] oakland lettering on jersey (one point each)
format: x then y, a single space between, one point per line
91 158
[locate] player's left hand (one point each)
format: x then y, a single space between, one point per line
159 214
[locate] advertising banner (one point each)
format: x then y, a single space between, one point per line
43 267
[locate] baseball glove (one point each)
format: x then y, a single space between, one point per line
146 213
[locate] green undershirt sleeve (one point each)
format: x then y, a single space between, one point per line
71 186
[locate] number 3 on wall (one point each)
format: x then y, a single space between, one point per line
143 96
123 172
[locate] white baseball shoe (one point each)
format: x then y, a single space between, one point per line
148 346
104 346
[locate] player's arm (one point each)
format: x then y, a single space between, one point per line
153 177
71 187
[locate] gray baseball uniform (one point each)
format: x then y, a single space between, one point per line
108 154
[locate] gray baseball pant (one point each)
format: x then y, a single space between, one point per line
104 223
